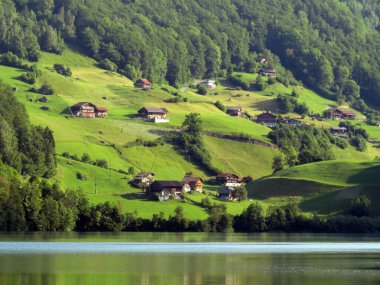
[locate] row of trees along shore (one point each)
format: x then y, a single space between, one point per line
35 205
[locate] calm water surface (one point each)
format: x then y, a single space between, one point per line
192 258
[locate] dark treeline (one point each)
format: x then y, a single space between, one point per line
28 149
35 205
330 45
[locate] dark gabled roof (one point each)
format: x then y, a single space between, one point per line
233 108
226 175
156 110
188 179
168 183
339 110
80 104
266 114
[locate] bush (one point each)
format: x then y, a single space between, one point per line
220 106
81 176
108 65
61 69
85 158
101 163
46 89
202 90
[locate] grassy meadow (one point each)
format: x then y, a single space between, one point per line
108 138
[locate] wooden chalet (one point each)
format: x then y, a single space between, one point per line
196 183
229 180
291 122
267 119
339 132
143 84
88 110
143 179
339 114
155 114
267 72
165 189
226 193
234 111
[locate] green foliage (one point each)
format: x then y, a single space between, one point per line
61 69
202 90
192 142
360 206
27 148
109 65
303 144
359 142
288 104
220 106
278 163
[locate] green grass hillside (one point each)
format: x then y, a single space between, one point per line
324 187
107 138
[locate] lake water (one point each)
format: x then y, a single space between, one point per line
191 258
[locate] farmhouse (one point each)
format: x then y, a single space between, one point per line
165 189
291 122
234 111
143 84
339 132
210 84
267 119
229 180
155 114
267 72
225 193
88 110
143 179
196 183
339 114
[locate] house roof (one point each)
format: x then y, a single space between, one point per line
268 70
227 175
80 104
101 109
348 112
143 81
233 108
157 110
189 179
169 183
266 115
342 111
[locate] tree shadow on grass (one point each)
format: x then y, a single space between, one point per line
141 196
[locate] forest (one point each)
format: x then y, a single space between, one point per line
329 45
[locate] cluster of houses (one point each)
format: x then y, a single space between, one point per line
172 189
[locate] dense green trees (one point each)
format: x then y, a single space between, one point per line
329 45
28 149
191 142
302 145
